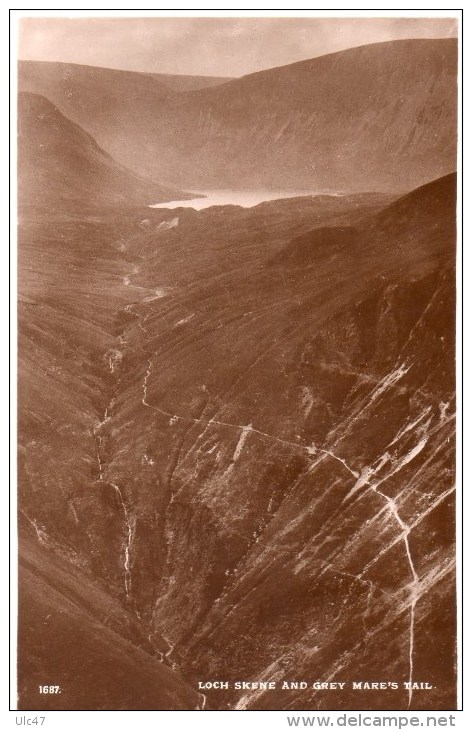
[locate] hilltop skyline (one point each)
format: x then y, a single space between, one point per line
210 46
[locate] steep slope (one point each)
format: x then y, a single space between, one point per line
92 637
377 117
61 167
252 440
312 482
98 99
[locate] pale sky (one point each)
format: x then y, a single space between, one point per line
210 46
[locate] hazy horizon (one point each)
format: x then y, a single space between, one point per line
222 47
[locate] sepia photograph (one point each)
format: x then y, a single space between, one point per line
236 415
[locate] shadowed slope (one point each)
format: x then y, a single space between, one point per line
80 638
61 167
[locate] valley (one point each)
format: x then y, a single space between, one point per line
236 413
263 413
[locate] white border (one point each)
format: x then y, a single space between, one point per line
75 719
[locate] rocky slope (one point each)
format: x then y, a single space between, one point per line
377 117
237 427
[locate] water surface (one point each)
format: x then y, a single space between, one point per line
244 198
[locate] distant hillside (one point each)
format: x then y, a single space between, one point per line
379 117
95 98
178 82
407 217
61 167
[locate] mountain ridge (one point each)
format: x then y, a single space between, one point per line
377 117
